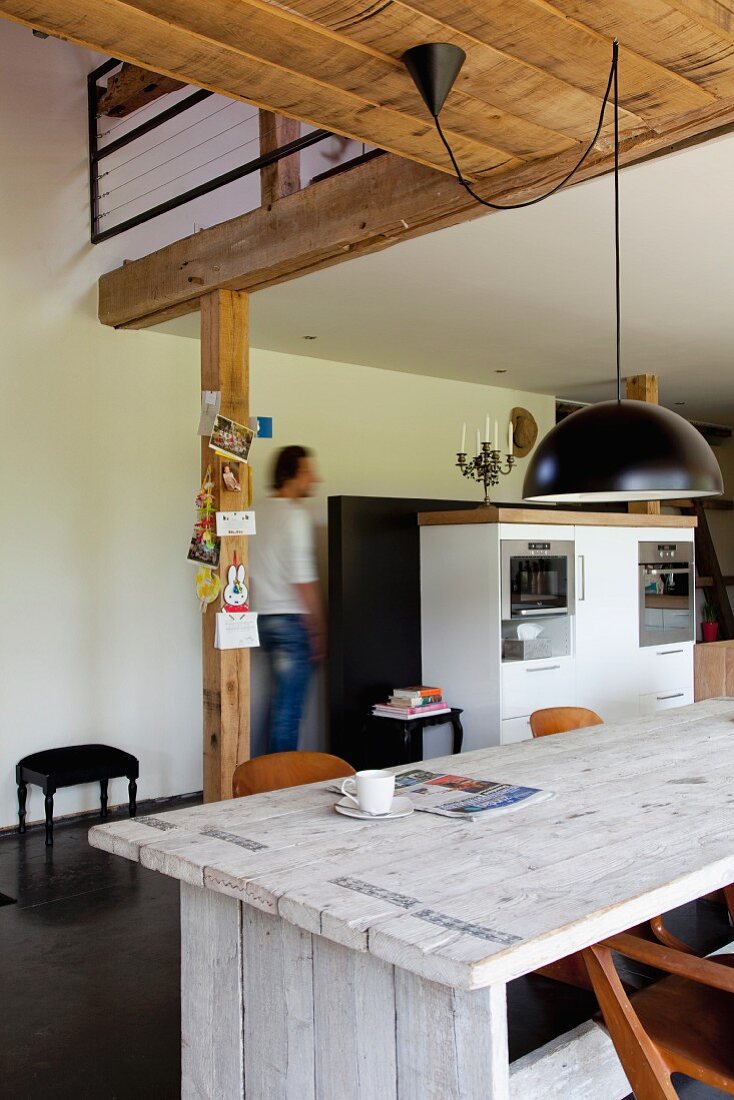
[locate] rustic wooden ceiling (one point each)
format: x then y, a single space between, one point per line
530 88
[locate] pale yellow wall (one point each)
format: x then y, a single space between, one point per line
375 433
99 636
379 432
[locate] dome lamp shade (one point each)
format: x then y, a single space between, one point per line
618 451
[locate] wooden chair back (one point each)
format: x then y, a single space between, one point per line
561 719
286 769
681 1024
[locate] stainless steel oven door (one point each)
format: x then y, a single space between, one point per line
667 595
537 578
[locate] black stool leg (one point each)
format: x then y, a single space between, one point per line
132 789
103 797
22 793
49 819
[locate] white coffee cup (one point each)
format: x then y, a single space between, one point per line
372 791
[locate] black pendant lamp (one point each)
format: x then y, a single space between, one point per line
615 450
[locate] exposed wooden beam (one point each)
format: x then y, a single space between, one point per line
226 672
232 50
284 176
132 87
375 205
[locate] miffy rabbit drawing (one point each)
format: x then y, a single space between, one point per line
235 590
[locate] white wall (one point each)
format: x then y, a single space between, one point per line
100 625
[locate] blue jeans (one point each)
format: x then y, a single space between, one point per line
285 639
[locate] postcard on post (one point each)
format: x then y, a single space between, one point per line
231 439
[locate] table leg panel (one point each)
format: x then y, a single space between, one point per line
279 1013
211 996
451 1043
354 1012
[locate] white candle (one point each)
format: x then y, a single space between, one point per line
479 445
496 436
463 439
510 439
486 428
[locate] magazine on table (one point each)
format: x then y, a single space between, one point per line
459 796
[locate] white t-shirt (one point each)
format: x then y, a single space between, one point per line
281 554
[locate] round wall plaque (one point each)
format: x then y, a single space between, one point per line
525 431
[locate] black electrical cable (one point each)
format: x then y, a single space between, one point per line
566 178
612 82
615 51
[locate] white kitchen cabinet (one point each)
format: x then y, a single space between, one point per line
666 667
653 701
531 685
607 626
516 729
460 624
607 670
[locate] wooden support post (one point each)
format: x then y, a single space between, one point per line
284 177
643 387
226 672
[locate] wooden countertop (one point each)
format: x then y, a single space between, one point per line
551 515
642 821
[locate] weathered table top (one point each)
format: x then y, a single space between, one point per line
643 820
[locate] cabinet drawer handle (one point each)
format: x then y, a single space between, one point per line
545 668
582 576
667 652
675 695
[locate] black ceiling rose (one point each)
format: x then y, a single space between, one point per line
434 67
622 451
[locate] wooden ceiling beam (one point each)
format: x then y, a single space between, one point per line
366 209
131 88
665 33
127 30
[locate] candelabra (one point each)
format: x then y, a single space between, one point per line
486 467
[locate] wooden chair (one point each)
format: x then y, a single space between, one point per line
561 719
286 769
681 1024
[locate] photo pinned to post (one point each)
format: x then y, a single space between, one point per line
231 477
204 547
230 439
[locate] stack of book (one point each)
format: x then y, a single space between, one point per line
412 702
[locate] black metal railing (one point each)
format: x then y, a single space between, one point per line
103 223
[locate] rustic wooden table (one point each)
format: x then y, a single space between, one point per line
330 958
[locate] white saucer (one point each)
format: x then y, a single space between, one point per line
401 807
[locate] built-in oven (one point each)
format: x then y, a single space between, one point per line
537 578
667 592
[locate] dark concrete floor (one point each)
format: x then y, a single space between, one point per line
90 975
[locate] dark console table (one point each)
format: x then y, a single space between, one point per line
407 735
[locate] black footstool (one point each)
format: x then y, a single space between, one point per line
65 767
